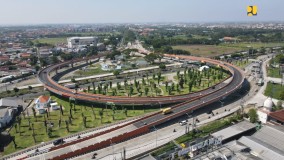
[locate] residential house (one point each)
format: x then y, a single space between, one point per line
25 55
4 59
42 102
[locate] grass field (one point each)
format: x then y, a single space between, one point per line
159 89
242 64
215 50
51 41
25 138
12 93
254 45
274 91
94 69
207 50
274 72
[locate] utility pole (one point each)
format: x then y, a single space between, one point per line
124 154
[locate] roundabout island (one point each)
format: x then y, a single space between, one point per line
151 92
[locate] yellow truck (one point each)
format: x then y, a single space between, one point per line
167 110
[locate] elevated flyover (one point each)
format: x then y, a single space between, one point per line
50 84
142 125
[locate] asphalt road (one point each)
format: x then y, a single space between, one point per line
210 96
181 109
56 88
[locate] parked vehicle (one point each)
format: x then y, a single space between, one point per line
57 142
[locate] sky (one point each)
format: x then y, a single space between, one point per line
136 11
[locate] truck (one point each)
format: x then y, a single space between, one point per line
166 110
70 85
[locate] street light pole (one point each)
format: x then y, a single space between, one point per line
156 135
189 116
112 145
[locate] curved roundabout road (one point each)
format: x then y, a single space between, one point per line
235 80
143 125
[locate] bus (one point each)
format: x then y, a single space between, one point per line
167 110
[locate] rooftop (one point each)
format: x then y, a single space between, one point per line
5 102
272 135
278 115
261 149
234 130
3 112
43 99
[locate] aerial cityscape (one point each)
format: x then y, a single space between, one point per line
141 80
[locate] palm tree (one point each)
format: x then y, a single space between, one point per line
101 113
159 77
146 91
49 132
94 114
13 139
67 126
85 121
16 128
166 83
130 91
125 111
34 113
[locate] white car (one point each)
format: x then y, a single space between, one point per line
182 122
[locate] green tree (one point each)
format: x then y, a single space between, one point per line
253 115
85 121
34 113
146 91
30 88
54 59
162 66
159 76
131 91
16 127
101 113
151 57
125 111
33 60
16 90
73 80
116 73
43 62
49 132
167 84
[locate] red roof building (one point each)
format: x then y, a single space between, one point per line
4 59
25 55
277 117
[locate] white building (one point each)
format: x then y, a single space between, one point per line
203 68
263 113
74 42
42 102
6 115
8 109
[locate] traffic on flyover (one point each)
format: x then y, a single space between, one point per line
189 103
142 125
